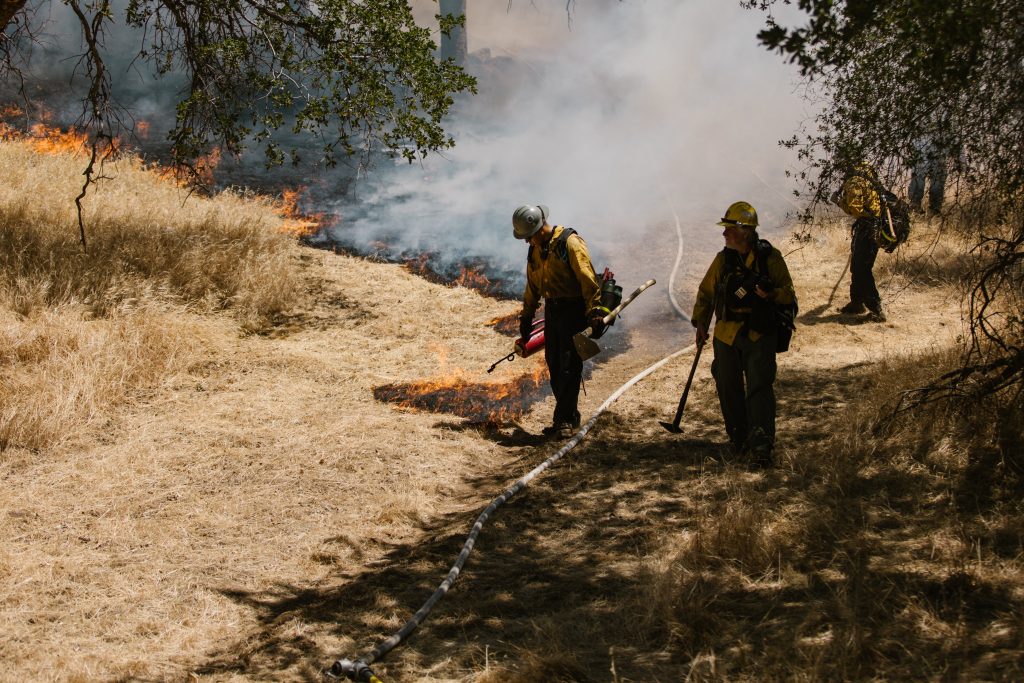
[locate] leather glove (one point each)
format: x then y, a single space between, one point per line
597 326
702 334
525 328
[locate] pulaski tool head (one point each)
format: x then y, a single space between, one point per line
587 347
674 428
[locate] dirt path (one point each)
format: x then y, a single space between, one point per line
263 515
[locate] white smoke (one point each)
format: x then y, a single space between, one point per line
615 120
618 116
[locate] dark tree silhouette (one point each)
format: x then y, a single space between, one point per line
894 72
353 74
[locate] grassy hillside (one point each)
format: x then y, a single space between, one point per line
85 329
186 500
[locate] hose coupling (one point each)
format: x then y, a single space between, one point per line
354 671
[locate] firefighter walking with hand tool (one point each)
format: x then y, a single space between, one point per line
558 269
745 287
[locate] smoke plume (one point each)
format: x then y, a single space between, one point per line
620 116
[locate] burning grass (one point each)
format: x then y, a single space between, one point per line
491 403
507 325
258 516
294 221
469 274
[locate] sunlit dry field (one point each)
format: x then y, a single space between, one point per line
201 488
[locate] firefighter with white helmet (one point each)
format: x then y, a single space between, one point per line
745 283
559 271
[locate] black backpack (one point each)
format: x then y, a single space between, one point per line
892 228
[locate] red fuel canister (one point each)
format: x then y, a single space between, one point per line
535 343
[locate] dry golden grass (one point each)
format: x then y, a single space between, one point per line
255 513
62 370
84 330
147 239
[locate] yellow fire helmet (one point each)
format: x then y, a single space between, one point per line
866 170
741 215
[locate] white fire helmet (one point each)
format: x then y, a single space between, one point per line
527 220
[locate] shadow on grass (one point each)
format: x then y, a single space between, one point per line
560 578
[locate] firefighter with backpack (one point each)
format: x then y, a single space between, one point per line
881 220
749 291
559 271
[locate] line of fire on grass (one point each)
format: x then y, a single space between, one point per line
506 324
53 140
487 403
470 275
296 222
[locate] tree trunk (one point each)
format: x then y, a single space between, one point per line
8 8
453 45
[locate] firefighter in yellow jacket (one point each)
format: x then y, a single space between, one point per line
741 288
858 197
559 271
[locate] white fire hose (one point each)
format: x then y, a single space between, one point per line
360 670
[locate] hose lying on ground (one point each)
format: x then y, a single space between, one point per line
360 670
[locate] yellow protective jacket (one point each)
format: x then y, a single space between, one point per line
858 197
550 277
705 304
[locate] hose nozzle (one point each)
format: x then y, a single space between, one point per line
354 671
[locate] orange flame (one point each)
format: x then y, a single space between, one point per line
420 265
50 140
487 403
205 166
203 169
472 278
47 139
506 324
142 129
492 403
293 221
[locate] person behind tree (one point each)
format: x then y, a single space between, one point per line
858 197
558 269
930 166
742 287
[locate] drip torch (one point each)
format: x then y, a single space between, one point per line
611 295
534 344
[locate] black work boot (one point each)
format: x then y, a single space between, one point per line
875 314
761 456
559 430
852 308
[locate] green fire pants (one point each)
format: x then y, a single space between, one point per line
745 377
